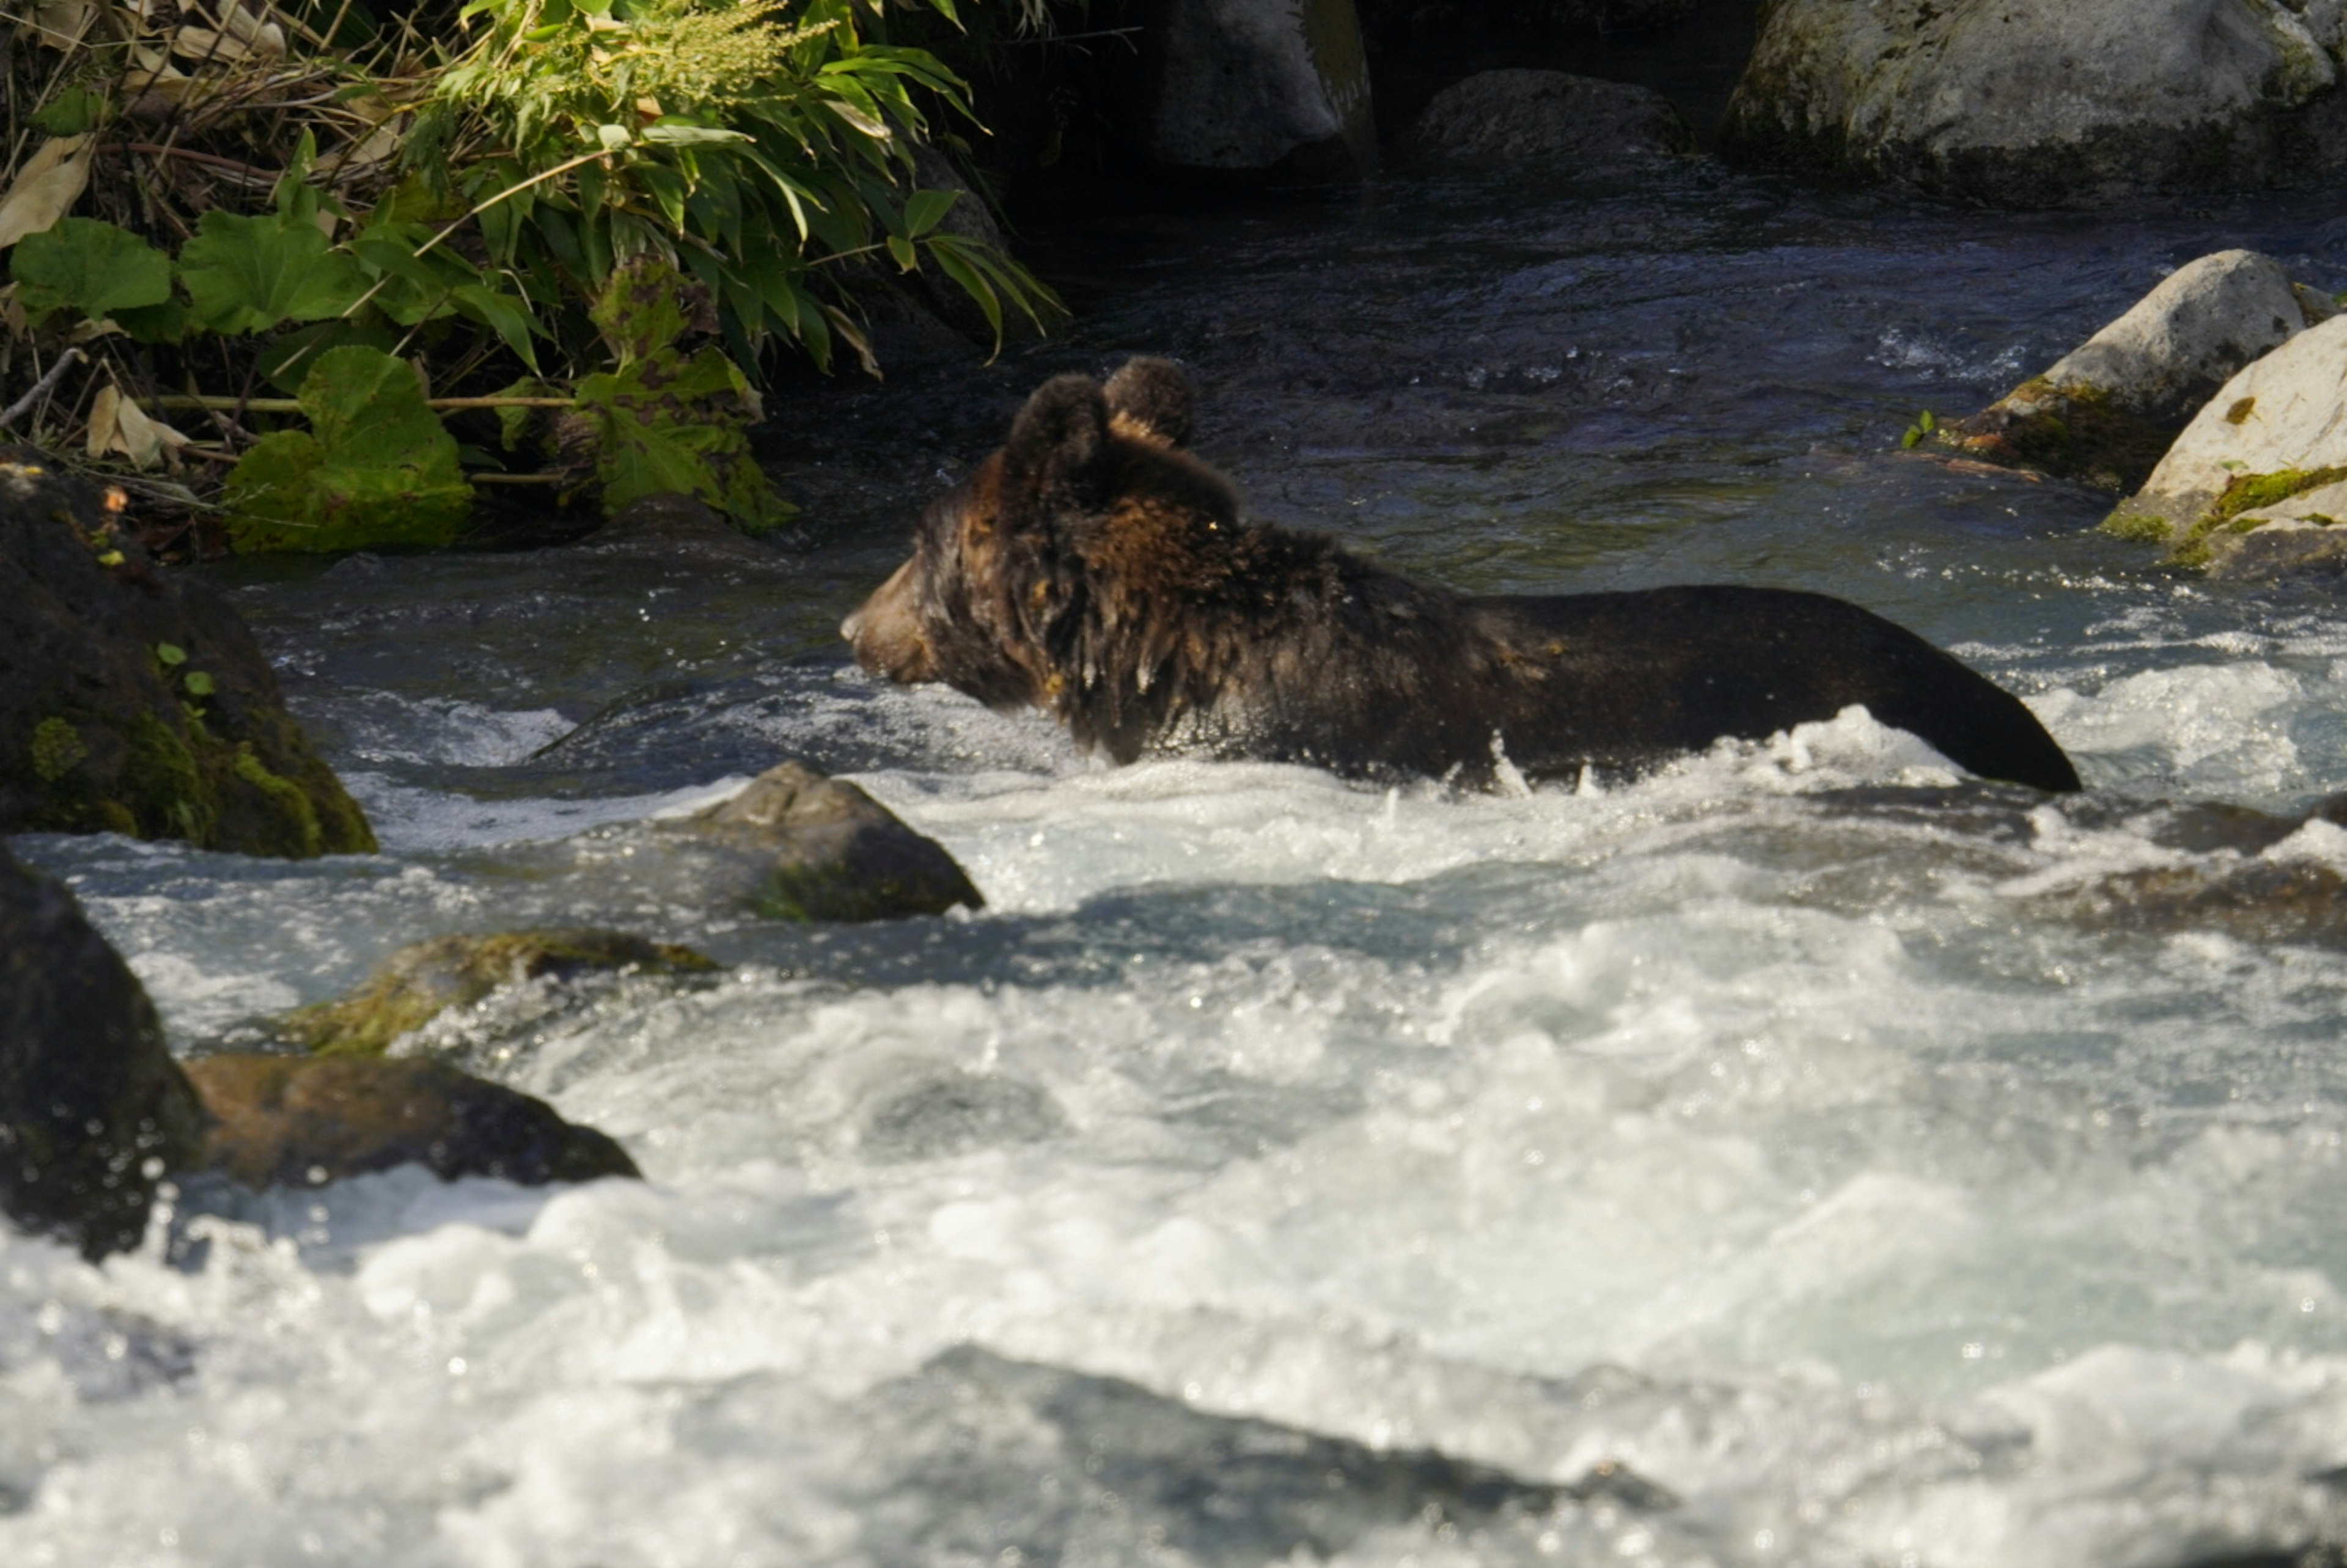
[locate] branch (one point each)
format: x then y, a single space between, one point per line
42 388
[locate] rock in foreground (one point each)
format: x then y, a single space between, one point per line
2105 412
806 848
93 1110
2038 103
294 1121
1536 123
133 700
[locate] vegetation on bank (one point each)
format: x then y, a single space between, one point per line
314 272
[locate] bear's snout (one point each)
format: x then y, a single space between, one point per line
885 634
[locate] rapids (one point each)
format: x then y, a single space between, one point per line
1767 1158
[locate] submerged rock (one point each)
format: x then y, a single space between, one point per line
2105 412
290 1121
424 980
1278 92
1545 122
800 846
133 700
2048 102
991 1460
2273 435
93 1110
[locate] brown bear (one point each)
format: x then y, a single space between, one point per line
1095 569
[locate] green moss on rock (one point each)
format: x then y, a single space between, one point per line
2072 431
94 732
2242 495
420 981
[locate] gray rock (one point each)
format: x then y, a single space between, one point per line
1545 122
809 848
2048 102
134 701
2276 431
929 1111
1273 89
92 1108
2107 411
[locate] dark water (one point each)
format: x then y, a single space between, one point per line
1820 1152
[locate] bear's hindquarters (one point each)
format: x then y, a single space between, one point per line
1624 679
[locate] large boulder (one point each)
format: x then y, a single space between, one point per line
291 1121
93 1110
424 980
133 700
2274 435
1273 89
2107 411
800 846
2028 103
1533 123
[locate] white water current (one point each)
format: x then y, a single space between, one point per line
1799 1157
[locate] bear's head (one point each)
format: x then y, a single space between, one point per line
1051 544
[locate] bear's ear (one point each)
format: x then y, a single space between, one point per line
1057 452
1150 400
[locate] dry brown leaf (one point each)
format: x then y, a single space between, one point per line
62 22
44 191
116 423
12 314
203 44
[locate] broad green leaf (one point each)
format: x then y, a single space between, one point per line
82 264
374 468
249 274
925 210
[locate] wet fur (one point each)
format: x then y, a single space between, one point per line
1094 569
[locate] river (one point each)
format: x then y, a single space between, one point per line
1793 1157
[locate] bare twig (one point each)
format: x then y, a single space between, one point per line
42 388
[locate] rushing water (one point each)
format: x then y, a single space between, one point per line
1799 1157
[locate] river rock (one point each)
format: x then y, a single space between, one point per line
1545 122
133 700
93 1110
291 1121
2034 103
802 847
2274 433
2107 411
1276 89
424 980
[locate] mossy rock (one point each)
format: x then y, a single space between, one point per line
291 1121
93 1110
809 848
2073 432
133 700
424 980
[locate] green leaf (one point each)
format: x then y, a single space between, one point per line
374 468
1926 424
73 112
668 424
249 274
902 250
82 264
197 683
170 655
165 322
668 134
925 210
1907 443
